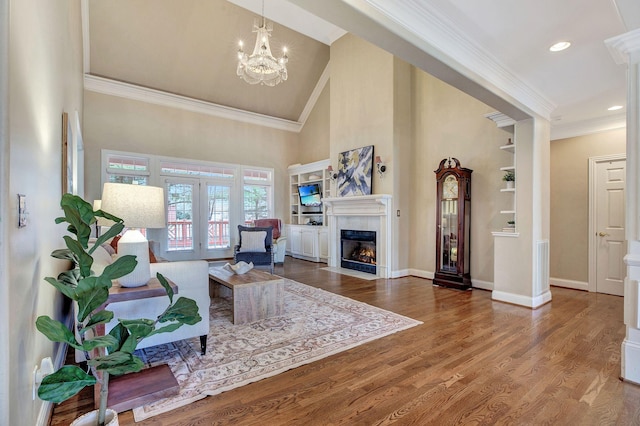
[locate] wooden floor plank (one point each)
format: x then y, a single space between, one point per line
473 361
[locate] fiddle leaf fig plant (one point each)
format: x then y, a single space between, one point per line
113 353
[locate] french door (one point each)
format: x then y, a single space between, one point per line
199 220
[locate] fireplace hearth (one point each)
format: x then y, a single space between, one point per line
358 250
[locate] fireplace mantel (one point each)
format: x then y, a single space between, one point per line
364 212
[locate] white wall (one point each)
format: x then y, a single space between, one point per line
45 68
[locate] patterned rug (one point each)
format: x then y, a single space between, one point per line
317 324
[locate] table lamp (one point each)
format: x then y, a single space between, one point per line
139 206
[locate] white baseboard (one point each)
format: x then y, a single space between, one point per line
630 361
483 285
576 285
518 299
420 273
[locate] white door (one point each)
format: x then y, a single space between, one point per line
610 244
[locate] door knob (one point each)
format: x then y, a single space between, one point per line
603 234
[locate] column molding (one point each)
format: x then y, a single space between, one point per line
625 49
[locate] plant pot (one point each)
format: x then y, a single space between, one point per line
510 184
91 419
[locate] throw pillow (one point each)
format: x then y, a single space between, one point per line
253 241
114 242
152 257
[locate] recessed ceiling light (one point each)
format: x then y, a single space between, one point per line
561 45
615 108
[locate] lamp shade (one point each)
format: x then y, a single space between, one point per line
139 206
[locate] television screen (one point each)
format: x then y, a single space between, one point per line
310 195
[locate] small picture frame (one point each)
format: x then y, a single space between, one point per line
22 211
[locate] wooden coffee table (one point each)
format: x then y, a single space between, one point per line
256 295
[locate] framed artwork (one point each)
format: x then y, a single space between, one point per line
72 155
67 155
22 211
354 172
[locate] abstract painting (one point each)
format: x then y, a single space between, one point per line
354 172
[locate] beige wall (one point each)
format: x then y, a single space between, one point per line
126 125
450 123
362 98
313 142
570 200
45 79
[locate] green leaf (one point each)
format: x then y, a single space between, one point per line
56 331
65 254
122 266
138 328
130 345
121 335
101 317
70 277
117 363
167 328
68 291
166 286
98 342
112 232
91 292
79 215
83 258
184 311
64 383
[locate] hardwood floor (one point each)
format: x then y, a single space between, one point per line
473 361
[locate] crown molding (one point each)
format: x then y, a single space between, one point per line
138 93
587 127
501 120
317 91
437 32
625 48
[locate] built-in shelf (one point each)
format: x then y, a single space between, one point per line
507 212
505 234
308 174
510 147
508 190
508 168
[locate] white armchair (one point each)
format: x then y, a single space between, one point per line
279 240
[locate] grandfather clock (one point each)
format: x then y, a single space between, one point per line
453 222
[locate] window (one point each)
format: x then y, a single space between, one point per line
206 201
127 169
258 199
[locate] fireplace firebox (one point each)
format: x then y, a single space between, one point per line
358 250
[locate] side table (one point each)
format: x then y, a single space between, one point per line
135 389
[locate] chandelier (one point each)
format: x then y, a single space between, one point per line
261 67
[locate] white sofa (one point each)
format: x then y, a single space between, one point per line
192 279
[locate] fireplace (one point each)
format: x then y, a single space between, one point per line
358 250
363 213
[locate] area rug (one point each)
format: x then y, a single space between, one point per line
317 324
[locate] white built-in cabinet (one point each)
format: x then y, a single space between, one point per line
510 190
509 198
307 235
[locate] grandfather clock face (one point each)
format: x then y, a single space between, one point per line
450 187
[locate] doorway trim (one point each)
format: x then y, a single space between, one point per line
593 162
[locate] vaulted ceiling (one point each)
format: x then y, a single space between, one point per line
188 48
